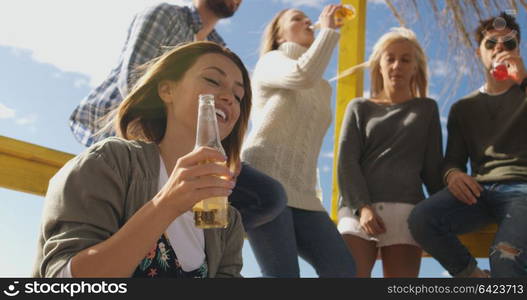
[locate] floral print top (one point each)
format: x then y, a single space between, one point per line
161 261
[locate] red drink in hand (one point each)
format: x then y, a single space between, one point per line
499 71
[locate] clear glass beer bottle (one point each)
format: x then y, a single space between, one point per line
210 212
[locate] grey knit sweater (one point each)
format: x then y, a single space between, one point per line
98 191
386 152
291 114
491 131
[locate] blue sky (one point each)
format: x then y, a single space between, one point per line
53 52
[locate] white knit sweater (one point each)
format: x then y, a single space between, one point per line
291 114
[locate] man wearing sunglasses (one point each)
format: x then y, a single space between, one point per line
489 128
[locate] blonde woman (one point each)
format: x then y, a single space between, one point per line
292 113
390 144
123 207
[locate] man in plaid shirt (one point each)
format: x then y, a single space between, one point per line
258 197
151 33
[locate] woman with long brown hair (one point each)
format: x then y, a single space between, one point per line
123 207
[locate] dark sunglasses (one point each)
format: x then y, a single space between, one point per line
510 44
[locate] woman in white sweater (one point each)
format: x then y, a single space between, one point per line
290 118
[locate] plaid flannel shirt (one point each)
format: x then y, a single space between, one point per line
151 33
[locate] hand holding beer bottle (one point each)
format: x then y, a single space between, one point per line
335 16
210 212
192 180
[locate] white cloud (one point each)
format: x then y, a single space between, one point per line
328 154
75 36
225 25
377 1
445 274
6 112
442 68
27 120
439 68
434 96
326 168
444 130
297 3
80 83
461 65
9 113
225 22
19 52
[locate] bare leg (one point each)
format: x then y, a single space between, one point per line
364 253
401 261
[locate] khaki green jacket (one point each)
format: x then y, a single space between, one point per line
95 193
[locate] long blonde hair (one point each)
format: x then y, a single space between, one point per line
142 115
271 34
418 84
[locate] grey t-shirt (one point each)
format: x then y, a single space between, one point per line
386 152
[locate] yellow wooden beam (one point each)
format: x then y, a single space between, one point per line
479 242
27 167
352 47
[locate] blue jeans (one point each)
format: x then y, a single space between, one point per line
436 221
310 234
258 197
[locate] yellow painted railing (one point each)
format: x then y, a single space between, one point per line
352 52
27 167
479 242
352 46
